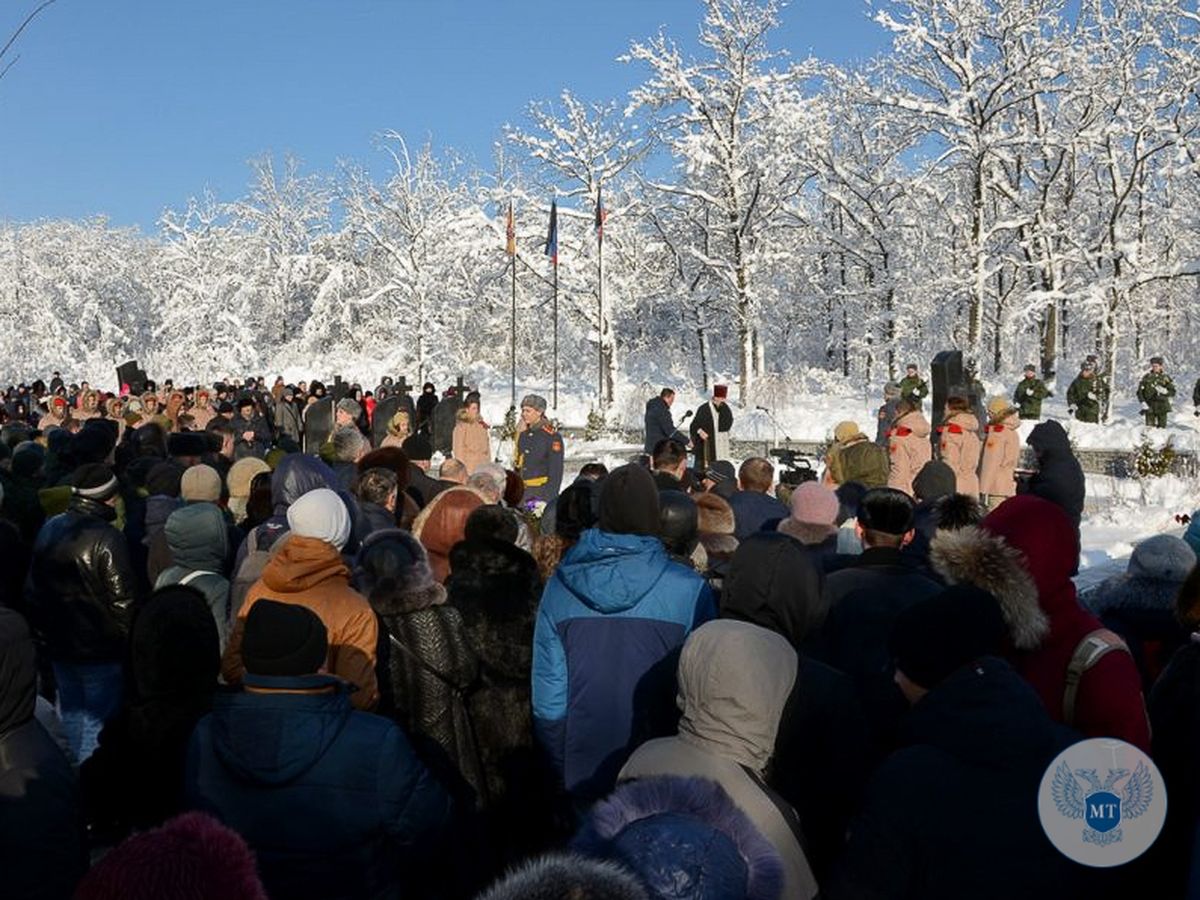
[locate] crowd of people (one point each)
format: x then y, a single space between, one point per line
236 669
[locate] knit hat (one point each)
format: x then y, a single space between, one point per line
936 479
814 504
887 510
241 473
200 483
846 431
533 401
937 636
320 514
283 639
192 855
721 391
1163 557
350 407
418 446
629 502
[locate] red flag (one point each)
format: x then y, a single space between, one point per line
510 233
601 215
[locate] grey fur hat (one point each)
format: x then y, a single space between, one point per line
350 407
534 401
563 875
1163 557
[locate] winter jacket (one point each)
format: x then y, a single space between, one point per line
311 572
1175 717
660 425
884 416
287 421
859 460
1028 396
1001 453
134 780
198 537
909 448
1086 397
753 511
256 425
443 523
734 679
609 625
333 802
377 517
864 600
820 757
1023 554
42 848
1059 477
81 585
470 442
296 475
420 636
495 589
979 737
958 440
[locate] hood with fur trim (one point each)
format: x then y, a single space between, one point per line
975 557
567 875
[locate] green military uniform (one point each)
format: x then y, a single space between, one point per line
1086 396
1196 396
1155 393
539 460
913 389
1028 396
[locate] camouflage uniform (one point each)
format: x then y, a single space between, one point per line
1028 396
1155 393
913 389
1086 397
539 461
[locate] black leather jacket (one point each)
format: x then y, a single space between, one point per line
81 585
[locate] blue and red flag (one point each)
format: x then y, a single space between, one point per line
601 215
552 237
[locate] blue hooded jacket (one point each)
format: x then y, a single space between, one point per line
606 646
332 801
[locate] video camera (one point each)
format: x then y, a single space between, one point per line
797 469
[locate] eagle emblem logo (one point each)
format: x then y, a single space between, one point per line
1080 794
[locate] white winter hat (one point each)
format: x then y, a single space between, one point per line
320 514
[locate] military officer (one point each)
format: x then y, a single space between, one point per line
913 387
1155 393
539 458
1029 394
1086 395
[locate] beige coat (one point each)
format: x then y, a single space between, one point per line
470 442
909 449
1001 450
960 446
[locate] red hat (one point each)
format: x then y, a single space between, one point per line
59 401
721 391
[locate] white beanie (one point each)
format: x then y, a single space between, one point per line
320 514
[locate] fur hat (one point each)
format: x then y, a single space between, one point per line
241 473
567 875
392 571
999 407
418 446
1163 557
846 431
192 855
534 401
350 407
891 391
684 837
973 556
715 514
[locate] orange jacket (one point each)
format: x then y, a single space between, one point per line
311 573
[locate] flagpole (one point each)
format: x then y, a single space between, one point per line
555 397
600 311
512 351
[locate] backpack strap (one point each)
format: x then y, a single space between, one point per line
192 576
1090 650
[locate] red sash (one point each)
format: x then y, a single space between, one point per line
900 431
995 428
953 429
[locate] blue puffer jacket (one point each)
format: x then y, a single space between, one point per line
605 649
333 802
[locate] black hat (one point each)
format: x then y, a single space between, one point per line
629 502
283 639
1156 360
937 636
95 481
245 400
679 522
188 443
225 407
418 446
936 479
887 510
165 479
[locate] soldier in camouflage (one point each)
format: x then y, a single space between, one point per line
1155 393
539 459
1029 394
1086 395
913 387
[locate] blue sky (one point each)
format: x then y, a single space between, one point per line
124 107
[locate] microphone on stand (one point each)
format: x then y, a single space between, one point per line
687 415
762 409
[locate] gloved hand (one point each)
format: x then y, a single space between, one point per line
1160 388
1028 392
1092 396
